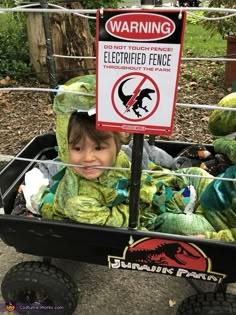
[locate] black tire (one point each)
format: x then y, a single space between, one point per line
210 303
38 286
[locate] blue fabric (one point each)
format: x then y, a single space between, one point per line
220 194
122 192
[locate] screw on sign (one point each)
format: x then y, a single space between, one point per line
135 96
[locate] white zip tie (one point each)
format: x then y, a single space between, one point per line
101 12
180 13
125 169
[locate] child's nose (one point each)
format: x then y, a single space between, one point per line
88 155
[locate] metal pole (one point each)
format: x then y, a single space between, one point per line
136 169
50 59
147 4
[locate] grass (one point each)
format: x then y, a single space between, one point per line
198 42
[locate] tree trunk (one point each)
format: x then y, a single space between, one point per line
230 66
37 45
71 36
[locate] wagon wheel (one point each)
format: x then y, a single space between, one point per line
41 288
210 303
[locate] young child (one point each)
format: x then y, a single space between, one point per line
95 189
88 189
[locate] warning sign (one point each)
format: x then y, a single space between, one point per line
138 63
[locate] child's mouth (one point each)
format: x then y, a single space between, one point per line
90 168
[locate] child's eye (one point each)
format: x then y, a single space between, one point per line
77 148
100 147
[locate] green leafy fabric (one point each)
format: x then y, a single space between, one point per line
227 147
65 103
219 203
105 201
223 122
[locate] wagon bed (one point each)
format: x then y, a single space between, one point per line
90 243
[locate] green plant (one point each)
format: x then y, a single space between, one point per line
198 43
13 45
226 25
194 18
10 3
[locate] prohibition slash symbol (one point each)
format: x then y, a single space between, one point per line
135 96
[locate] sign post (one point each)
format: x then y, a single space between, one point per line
138 64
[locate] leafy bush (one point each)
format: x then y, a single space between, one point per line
194 17
224 27
14 57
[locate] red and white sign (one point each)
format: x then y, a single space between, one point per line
138 61
140 26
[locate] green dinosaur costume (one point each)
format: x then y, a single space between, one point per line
105 200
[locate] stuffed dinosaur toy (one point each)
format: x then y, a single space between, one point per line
222 124
219 198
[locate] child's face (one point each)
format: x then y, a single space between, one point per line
89 154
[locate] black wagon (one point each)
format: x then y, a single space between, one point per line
37 286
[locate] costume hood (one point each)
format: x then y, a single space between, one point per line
65 103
